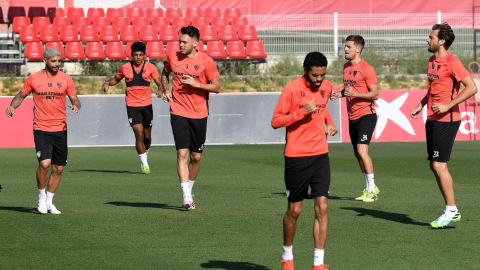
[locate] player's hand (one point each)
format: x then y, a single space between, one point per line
74 109
190 81
10 111
350 92
159 94
105 87
439 108
415 111
310 106
331 130
335 95
167 97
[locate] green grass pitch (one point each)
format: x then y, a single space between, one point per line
113 217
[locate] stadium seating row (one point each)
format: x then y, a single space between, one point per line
18 11
155 50
132 33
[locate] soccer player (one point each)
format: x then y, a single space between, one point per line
445 73
138 75
302 109
194 77
360 89
49 88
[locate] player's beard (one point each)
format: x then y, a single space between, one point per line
433 48
313 85
52 69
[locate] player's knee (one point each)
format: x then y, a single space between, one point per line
182 156
44 165
195 157
57 169
437 166
294 212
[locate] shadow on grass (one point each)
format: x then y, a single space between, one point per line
19 209
146 205
396 217
232 265
107 171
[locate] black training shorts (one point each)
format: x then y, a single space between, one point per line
440 138
302 172
361 129
140 115
189 133
51 145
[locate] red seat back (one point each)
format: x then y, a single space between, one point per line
194 12
174 12
15 12
69 34
120 22
155 50
101 22
59 22
34 12
232 13
135 13
256 49
216 50
89 33
237 21
116 51
168 33
93 13
41 21
247 33
180 22
29 34
80 22
160 21
208 33
200 47
58 45
53 12
236 50
213 13
173 46
227 33
74 51
129 33
154 13
48 33
128 49
200 22
109 34
115 13
74 12
34 51
19 22
149 33
94 51
142 21
219 21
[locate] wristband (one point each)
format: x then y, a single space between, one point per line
106 83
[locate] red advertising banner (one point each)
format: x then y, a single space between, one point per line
16 131
395 124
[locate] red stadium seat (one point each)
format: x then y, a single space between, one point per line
227 33
29 34
34 51
115 51
194 12
115 13
48 34
16 12
236 50
213 13
237 21
94 13
74 51
180 22
74 12
129 33
53 12
109 34
160 21
154 13
216 50
200 47
80 22
256 49
232 13
57 45
94 51
174 12
34 12
89 33
149 33
155 50
59 22
142 22
247 33
101 22
200 22
19 22
219 21
208 33
120 22
128 49
168 33
69 34
135 13
41 21
173 46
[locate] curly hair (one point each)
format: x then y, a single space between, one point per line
192 31
446 33
315 59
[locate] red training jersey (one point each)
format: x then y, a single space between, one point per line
138 96
444 76
188 101
306 135
359 77
49 95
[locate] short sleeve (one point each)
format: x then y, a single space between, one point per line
457 70
71 87
211 71
370 76
166 65
120 73
27 86
154 72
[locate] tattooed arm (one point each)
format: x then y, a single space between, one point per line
16 102
76 105
167 94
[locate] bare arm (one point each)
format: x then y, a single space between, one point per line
113 81
469 90
76 105
16 102
213 86
415 111
372 93
167 94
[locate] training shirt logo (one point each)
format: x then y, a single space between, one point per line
187 66
302 94
59 85
349 72
39 85
197 67
438 67
354 73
